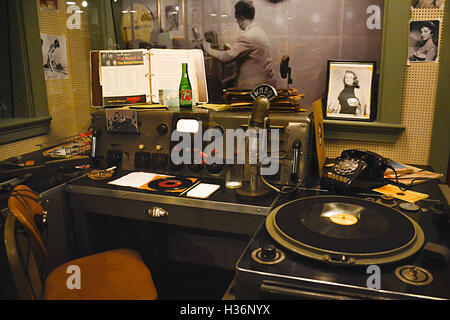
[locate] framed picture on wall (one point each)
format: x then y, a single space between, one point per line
137 25
427 4
349 90
172 17
48 5
423 41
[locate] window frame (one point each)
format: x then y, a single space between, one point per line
31 114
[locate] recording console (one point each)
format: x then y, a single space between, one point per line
148 145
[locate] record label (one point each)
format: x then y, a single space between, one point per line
164 184
344 219
170 183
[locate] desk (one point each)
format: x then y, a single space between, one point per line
221 225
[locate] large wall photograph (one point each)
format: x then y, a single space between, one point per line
245 42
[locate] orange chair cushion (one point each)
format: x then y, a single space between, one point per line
112 275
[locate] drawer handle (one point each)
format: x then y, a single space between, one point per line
157 212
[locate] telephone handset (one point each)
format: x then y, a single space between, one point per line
354 169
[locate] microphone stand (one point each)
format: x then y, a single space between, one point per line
259 122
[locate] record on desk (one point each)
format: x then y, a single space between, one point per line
169 184
344 230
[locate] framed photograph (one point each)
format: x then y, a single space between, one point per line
349 90
427 4
183 24
138 24
423 41
121 121
48 5
171 20
54 54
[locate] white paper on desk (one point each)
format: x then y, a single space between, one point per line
203 190
165 72
135 179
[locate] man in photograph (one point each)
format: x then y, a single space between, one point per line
250 51
172 15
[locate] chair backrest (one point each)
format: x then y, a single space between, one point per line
24 204
24 246
22 261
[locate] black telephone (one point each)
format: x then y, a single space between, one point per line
354 170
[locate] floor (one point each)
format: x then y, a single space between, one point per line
187 281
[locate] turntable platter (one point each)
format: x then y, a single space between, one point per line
344 230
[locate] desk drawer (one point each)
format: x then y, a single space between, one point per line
224 221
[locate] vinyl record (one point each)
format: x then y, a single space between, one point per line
344 230
170 184
343 221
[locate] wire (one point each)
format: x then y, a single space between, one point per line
404 187
283 189
401 186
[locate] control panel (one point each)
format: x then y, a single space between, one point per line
158 139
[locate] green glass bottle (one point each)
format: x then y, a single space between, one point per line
185 88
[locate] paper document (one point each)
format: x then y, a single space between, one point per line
165 71
124 75
135 179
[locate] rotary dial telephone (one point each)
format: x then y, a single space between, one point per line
354 169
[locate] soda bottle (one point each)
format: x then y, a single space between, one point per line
185 88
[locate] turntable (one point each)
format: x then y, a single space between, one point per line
324 246
344 230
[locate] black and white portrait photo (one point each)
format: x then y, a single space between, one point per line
54 53
423 41
172 17
121 120
349 90
427 4
245 42
49 5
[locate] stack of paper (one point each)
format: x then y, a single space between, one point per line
410 175
134 179
286 99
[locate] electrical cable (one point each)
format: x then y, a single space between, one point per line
283 189
404 187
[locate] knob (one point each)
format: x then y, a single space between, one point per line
409 207
387 201
162 129
214 168
157 212
268 252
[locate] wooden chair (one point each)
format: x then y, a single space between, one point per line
111 275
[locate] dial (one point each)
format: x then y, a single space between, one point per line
346 166
162 129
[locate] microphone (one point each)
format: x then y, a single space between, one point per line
258 120
260 111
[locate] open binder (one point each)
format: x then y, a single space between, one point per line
136 76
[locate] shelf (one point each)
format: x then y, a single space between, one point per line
362 131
